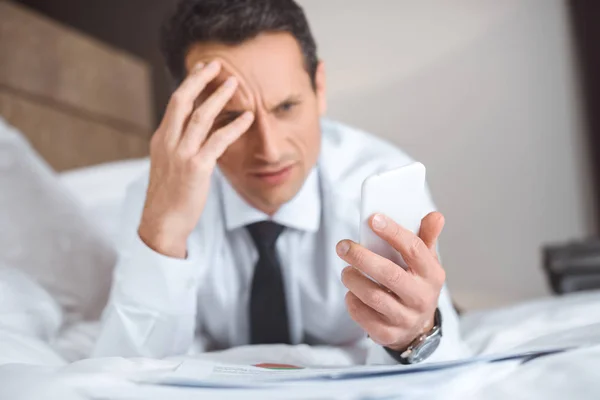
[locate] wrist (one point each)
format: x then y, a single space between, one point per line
403 345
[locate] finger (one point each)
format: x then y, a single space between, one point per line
413 250
203 118
222 138
384 271
373 323
431 228
182 101
373 295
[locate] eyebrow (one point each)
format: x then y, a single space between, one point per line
233 114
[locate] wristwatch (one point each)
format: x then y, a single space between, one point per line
423 346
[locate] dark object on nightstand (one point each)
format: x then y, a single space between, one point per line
573 267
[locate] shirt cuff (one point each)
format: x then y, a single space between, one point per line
151 280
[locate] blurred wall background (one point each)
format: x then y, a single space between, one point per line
484 92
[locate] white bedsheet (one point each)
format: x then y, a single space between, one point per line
96 383
550 322
573 375
568 375
567 320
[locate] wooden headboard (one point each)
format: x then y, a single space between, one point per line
78 101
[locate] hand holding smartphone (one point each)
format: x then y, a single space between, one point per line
400 312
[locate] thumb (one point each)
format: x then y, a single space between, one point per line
431 228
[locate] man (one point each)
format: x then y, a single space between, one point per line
240 233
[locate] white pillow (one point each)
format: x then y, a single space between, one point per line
29 320
45 234
101 189
26 308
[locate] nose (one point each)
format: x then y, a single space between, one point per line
269 144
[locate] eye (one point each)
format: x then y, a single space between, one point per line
286 106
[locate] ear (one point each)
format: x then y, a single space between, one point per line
321 88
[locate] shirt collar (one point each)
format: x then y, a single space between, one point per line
302 212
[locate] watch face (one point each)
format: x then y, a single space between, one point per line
425 349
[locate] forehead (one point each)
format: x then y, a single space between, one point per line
271 64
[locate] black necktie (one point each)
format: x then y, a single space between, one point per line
268 308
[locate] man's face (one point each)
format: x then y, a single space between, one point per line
268 164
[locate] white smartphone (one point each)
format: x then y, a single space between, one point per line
399 194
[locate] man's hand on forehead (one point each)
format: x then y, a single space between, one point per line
226 71
183 155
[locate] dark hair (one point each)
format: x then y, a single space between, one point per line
233 22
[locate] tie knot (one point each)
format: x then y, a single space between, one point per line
265 234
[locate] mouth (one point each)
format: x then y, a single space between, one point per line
274 177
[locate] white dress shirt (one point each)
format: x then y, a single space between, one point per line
162 306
